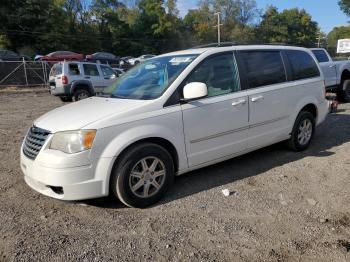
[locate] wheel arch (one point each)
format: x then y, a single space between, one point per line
82 85
345 75
312 109
308 104
166 144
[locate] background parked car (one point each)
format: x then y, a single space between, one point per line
124 63
79 80
61 56
118 71
103 58
135 61
38 57
336 74
7 55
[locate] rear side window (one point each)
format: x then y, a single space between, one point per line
302 65
90 70
321 56
263 68
56 70
73 69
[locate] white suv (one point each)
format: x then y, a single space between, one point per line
171 114
79 80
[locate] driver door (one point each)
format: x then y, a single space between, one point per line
216 126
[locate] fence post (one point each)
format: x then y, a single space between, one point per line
44 71
25 70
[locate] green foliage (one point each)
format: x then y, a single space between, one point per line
291 26
345 6
337 33
147 26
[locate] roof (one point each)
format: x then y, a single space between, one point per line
198 51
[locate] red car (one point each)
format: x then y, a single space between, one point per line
61 56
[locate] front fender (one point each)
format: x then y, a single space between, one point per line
129 136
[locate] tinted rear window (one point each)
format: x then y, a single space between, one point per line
56 70
263 67
321 56
302 65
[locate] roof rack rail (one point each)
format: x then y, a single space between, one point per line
222 44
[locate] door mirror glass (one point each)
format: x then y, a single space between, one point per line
195 90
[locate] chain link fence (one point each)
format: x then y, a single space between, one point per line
24 73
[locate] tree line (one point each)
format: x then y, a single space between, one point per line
134 27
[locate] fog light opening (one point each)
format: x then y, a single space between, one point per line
57 189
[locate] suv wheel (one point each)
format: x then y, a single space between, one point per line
303 131
143 175
81 94
343 93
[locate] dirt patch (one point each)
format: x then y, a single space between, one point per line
15 89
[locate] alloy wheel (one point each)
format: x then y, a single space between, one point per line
147 177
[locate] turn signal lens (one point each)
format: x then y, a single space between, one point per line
89 138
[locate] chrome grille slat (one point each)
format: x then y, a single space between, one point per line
34 141
33 146
30 150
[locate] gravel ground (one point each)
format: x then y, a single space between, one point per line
284 206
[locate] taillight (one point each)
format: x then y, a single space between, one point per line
64 80
324 88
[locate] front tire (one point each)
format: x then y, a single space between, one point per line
343 93
143 175
303 132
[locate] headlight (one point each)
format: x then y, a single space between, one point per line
71 142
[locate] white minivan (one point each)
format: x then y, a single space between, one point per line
171 114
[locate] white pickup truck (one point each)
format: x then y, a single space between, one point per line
336 74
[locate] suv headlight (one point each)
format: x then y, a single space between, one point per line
71 142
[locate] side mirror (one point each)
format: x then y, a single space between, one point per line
195 90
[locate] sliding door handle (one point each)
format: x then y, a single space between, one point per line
257 98
238 102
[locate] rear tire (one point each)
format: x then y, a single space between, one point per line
143 175
343 93
303 132
81 94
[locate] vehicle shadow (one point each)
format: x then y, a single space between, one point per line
332 133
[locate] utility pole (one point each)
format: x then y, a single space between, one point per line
218 25
319 40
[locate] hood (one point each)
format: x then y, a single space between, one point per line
79 114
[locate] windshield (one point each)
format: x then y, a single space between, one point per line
149 79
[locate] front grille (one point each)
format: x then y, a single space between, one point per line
34 141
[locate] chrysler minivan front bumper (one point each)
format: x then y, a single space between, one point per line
73 183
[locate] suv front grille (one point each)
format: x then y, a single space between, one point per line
34 141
